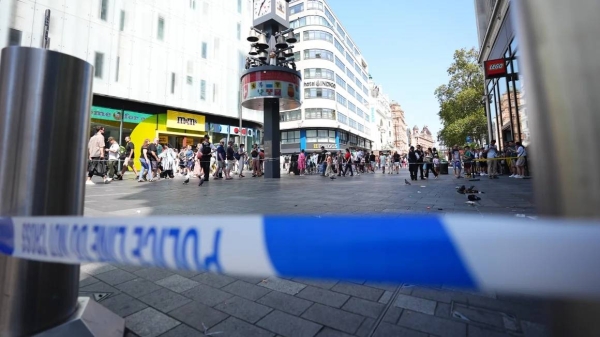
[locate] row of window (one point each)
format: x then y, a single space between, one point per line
320 136
319 73
318 35
311 93
318 54
310 20
323 136
309 113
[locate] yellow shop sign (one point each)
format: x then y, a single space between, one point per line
186 121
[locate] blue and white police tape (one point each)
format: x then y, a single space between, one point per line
551 258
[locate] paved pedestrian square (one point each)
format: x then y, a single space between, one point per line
156 302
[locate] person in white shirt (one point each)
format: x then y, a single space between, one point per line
382 162
521 154
492 162
113 157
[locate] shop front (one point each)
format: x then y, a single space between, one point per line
117 123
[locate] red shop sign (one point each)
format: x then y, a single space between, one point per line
495 68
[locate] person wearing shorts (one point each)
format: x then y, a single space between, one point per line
521 154
456 164
189 157
129 157
396 158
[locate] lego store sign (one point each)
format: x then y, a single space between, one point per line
495 68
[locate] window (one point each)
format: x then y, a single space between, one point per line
172 83
351 91
350 74
311 136
122 21
340 31
204 49
296 8
329 16
351 107
342 119
357 68
193 4
362 113
353 139
339 46
340 64
288 137
14 37
297 56
214 92
356 53
318 35
364 76
310 20
239 31
342 100
98 64
292 115
340 81
323 73
365 90
161 28
189 80
319 113
203 90
361 127
117 70
318 54
314 4
324 136
352 123
358 82
349 59
319 93
103 9
297 36
349 43
239 3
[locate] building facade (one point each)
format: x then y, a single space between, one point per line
335 108
506 106
401 138
381 117
423 137
167 69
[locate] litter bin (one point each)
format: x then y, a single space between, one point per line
444 167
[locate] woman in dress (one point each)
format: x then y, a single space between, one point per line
301 162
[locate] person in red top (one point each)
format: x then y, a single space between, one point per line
348 162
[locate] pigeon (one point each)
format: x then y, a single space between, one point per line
187 179
201 181
472 197
461 189
332 177
406 182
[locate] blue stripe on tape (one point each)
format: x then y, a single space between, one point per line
408 249
7 236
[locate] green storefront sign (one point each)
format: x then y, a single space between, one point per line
117 115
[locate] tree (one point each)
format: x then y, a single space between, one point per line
462 110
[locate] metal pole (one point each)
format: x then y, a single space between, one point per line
45 100
560 53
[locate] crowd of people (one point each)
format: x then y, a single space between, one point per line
226 161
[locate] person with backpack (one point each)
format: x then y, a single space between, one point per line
204 153
468 157
241 158
128 156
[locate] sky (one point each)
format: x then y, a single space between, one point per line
408 45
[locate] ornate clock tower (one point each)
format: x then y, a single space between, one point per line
271 82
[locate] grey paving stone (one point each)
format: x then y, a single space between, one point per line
363 307
246 290
288 325
386 297
96 268
493 319
150 322
214 280
177 283
365 328
535 312
138 287
531 329
387 330
123 305
475 331
443 310
98 287
251 279
198 315
153 274
415 304
334 318
361 291
316 283
207 295
86 280
440 295
323 296
244 309
432 324
281 285
392 315
130 269
116 276
187 273
233 327
284 302
182 330
164 300
328 332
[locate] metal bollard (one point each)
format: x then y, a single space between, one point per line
560 53
45 100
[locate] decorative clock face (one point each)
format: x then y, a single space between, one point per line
280 9
262 8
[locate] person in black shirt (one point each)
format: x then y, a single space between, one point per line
396 162
420 156
129 157
153 157
372 159
230 160
412 163
206 150
321 160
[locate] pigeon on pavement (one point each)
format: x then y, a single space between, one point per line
187 179
406 182
201 181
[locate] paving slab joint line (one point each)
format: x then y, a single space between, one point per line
382 314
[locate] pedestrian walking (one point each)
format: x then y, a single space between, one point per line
302 162
230 160
456 162
321 161
205 152
168 160
396 157
491 160
428 162
242 155
153 157
412 163
420 160
113 158
96 165
521 160
348 163
144 161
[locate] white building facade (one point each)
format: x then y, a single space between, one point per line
381 116
335 107
155 61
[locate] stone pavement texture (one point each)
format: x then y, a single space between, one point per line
156 302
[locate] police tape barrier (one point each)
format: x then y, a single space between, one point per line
550 257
